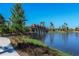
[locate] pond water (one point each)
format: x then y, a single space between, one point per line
67 42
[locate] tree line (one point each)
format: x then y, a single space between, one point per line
63 27
17 20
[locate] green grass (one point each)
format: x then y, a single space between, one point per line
32 41
60 53
39 43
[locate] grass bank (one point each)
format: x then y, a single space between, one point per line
33 47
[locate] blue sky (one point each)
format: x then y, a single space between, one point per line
53 12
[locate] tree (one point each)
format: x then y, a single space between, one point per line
59 29
65 27
3 26
52 26
1 19
41 28
42 23
17 18
1 23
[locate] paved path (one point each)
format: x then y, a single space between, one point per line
6 48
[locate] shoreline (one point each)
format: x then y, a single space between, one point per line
63 31
37 49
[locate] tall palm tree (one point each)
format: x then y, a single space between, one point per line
42 29
59 29
42 23
52 26
65 27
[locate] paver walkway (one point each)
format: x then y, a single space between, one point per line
6 48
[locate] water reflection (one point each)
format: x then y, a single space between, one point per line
67 42
77 35
51 36
65 37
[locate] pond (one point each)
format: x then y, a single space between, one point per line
67 42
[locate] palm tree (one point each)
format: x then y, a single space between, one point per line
17 18
42 23
41 27
65 27
52 26
59 29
